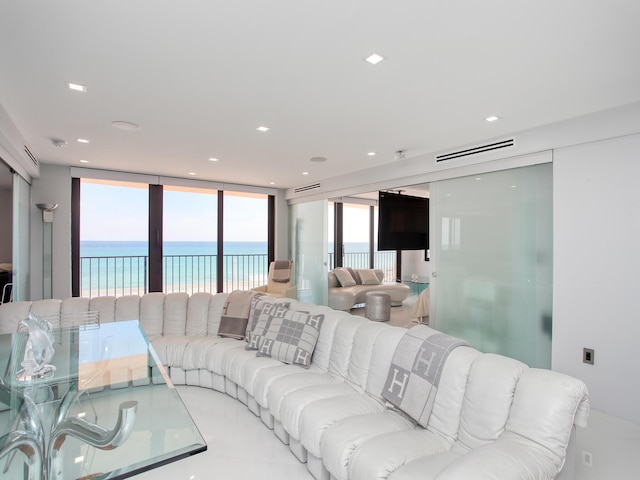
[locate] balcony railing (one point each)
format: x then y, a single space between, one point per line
385 261
128 275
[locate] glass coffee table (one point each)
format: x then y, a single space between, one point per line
108 410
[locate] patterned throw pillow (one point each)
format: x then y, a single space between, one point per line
260 312
368 277
344 277
287 335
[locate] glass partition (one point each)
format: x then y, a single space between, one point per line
493 262
21 235
308 233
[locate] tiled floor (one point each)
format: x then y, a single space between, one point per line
240 446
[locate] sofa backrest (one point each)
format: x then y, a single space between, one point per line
487 399
447 406
362 353
383 350
343 342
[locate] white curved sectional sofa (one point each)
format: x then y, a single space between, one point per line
493 417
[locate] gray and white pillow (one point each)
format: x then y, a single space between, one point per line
287 335
260 312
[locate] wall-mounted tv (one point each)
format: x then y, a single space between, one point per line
403 222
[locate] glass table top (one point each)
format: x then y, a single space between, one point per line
107 411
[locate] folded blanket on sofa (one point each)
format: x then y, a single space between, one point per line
235 314
414 374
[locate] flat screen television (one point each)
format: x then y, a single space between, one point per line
403 222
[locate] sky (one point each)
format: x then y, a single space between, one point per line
115 212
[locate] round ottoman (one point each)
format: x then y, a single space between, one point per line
377 306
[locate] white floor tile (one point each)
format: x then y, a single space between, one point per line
239 445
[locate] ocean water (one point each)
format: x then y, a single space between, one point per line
121 268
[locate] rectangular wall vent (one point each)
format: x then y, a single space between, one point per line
477 150
306 188
31 155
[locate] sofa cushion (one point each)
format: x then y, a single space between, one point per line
368 277
289 337
344 277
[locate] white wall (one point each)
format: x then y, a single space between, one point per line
596 270
53 186
6 224
413 262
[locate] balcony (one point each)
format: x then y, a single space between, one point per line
128 274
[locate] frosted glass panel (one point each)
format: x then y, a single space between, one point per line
309 248
494 261
21 264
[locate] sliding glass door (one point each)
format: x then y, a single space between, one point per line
493 263
309 249
21 234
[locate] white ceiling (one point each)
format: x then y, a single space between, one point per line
200 76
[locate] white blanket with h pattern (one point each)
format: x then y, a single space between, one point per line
414 374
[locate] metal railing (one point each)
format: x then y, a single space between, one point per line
128 275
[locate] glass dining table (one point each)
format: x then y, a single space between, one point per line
107 409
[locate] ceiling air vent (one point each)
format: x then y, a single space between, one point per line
477 150
31 155
306 188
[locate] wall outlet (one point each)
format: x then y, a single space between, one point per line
587 458
588 355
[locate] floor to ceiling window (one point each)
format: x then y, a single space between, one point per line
113 238
245 259
135 238
355 229
190 234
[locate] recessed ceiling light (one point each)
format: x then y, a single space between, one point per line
272 183
127 126
492 118
305 173
82 140
374 59
77 87
318 159
192 173
84 161
372 154
213 159
263 129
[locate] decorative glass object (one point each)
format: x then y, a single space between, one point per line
38 350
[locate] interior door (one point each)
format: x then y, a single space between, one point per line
493 261
309 249
21 243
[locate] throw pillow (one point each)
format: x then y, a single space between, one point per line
369 277
344 277
261 312
235 314
355 275
290 338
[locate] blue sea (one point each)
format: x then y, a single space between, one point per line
121 267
